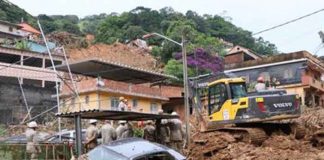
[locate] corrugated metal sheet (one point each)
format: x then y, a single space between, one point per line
95 67
116 115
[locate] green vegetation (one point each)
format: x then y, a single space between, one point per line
200 31
12 13
3 130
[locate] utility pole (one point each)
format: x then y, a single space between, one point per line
185 78
186 90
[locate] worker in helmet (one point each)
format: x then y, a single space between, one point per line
108 132
32 147
129 132
91 135
176 133
121 129
163 129
260 84
122 105
149 131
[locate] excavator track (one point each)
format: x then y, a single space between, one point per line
254 136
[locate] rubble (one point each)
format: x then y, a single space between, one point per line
222 145
116 52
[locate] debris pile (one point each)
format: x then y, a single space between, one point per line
68 40
117 52
223 145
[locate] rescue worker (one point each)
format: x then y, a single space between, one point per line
91 135
122 106
164 137
32 147
176 133
108 133
260 85
149 131
129 132
121 129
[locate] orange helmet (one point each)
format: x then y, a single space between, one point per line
260 79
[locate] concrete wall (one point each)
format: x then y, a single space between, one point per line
104 102
12 107
5 28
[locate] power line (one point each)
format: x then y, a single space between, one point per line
288 22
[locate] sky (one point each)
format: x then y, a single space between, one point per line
252 15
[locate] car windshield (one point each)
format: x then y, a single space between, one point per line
101 153
238 90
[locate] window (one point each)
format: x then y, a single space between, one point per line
114 103
288 73
156 156
154 108
238 90
135 103
86 99
10 29
217 96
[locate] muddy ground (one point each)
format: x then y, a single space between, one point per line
279 146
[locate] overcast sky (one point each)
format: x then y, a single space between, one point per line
253 15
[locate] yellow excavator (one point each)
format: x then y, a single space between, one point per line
223 103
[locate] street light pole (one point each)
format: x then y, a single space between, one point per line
185 78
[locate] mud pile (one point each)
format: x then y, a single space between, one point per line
222 145
120 53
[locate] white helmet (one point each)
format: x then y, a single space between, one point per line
32 124
92 121
174 113
121 122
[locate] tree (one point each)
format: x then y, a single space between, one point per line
199 62
134 32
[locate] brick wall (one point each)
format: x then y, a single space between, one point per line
234 58
171 91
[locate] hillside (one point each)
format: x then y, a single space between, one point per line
130 25
12 13
208 32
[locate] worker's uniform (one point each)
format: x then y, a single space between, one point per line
260 86
128 132
91 137
164 137
108 133
32 147
122 106
120 130
176 134
149 132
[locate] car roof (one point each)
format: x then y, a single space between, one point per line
131 147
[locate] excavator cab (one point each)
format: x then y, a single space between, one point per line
229 102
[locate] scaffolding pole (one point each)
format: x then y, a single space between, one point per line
71 77
56 81
24 97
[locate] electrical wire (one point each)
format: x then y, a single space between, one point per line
288 22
